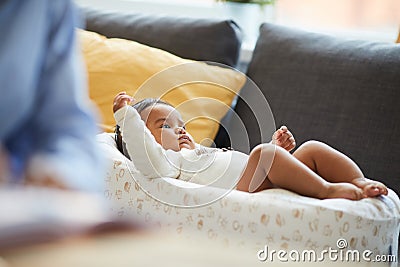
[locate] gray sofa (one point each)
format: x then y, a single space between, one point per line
342 92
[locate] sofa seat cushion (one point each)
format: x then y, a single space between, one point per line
339 91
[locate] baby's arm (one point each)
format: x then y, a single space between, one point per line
284 138
146 154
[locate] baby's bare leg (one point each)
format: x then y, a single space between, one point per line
336 167
287 172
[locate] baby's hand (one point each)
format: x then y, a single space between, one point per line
121 100
284 138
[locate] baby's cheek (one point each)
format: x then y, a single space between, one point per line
158 138
169 137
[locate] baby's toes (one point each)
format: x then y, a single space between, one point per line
374 190
371 191
383 189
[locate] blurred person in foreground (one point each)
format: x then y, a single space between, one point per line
47 126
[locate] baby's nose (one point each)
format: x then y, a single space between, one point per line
180 130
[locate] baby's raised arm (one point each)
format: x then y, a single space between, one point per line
147 155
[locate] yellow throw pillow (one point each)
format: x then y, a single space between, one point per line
115 65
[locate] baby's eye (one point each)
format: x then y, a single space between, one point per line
166 126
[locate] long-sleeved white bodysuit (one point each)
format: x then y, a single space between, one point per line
202 165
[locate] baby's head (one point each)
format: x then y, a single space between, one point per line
165 123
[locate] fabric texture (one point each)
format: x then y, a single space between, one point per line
201 92
198 39
342 92
277 218
45 115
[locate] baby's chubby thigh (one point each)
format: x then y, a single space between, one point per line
255 175
263 155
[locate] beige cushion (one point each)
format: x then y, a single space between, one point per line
276 217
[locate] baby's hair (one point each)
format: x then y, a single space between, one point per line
148 102
139 106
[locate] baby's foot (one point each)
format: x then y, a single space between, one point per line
344 190
370 187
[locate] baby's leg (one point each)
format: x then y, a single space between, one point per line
287 172
336 167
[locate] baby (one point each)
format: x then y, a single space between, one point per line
159 146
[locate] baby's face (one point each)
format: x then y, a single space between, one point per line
167 126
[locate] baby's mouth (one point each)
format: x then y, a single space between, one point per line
184 138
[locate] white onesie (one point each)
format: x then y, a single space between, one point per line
202 165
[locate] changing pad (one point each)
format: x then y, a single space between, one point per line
276 218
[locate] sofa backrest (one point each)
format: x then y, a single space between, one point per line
199 39
343 92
